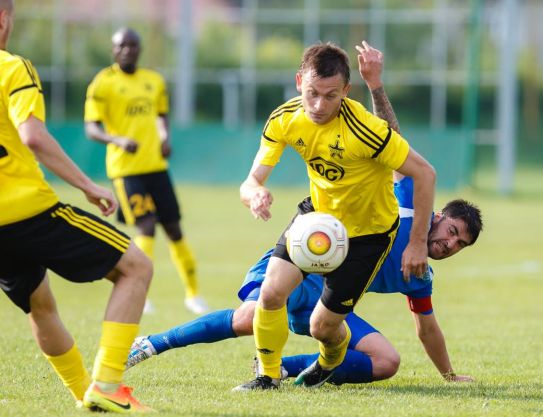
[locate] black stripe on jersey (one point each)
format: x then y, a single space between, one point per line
291 104
356 132
383 146
31 74
361 127
289 107
24 87
268 138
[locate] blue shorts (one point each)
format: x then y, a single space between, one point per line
301 303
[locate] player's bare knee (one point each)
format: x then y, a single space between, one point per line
242 322
386 365
272 298
144 270
133 266
324 331
392 364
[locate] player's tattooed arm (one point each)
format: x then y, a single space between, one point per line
370 67
383 109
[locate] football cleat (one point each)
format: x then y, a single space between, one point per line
262 382
120 401
284 372
313 376
196 305
141 349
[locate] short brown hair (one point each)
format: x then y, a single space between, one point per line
467 212
326 60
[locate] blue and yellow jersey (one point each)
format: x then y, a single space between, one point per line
128 105
349 162
23 189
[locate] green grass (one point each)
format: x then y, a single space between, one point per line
488 300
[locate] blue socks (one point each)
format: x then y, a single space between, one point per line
210 328
217 326
356 368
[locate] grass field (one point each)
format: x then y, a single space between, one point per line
488 300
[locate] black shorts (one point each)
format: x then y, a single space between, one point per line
146 195
344 286
71 242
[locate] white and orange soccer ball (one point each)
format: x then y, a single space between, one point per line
317 242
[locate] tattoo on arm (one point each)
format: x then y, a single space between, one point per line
383 109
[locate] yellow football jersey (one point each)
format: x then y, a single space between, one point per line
349 162
23 189
128 105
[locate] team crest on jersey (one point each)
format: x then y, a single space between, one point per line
299 142
148 87
327 169
336 151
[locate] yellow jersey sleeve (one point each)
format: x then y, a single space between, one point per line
25 96
274 138
378 140
24 191
272 143
395 152
95 102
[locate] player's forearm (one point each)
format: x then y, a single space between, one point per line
52 156
94 131
163 128
423 201
255 182
248 189
382 107
434 344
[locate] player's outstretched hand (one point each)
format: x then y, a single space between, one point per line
370 65
102 198
260 203
414 260
458 378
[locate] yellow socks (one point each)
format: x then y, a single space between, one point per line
331 357
186 266
146 244
271 333
115 345
69 367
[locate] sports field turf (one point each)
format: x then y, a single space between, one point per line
488 300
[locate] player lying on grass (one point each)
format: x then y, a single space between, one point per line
370 356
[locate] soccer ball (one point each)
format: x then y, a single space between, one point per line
317 242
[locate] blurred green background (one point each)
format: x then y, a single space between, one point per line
463 75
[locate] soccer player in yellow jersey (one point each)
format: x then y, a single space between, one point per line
350 156
127 108
38 232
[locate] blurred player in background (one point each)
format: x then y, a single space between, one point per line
370 356
350 155
127 108
38 232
